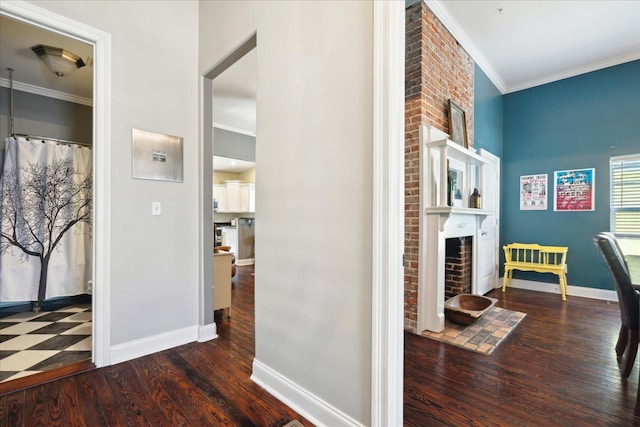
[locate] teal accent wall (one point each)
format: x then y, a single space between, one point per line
579 122
487 114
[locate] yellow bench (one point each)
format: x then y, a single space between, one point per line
534 257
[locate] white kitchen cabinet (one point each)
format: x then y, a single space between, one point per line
220 196
233 196
247 197
230 238
240 197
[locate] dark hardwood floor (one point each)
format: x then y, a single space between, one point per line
557 368
198 384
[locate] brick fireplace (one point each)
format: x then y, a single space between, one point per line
458 266
437 69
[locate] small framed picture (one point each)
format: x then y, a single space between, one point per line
457 189
457 124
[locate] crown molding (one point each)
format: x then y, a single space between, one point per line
465 41
38 90
234 129
632 56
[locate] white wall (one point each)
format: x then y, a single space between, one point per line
154 86
313 191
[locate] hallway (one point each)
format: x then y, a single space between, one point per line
194 384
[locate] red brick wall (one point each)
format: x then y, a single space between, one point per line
457 266
437 69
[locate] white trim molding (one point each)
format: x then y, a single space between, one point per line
207 332
50 93
148 345
387 309
233 129
308 405
634 56
572 290
101 41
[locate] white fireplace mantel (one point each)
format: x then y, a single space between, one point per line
439 221
446 213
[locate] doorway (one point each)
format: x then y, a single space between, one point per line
228 181
99 43
45 277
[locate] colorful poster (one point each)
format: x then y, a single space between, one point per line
574 190
533 192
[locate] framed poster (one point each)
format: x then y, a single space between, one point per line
533 192
574 190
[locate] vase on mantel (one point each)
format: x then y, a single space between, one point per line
474 199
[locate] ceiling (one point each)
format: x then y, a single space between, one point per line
234 106
234 96
521 44
30 74
226 164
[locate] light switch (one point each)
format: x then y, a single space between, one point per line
156 208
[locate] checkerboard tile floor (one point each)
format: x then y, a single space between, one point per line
35 342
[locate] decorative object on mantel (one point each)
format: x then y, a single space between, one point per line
484 336
458 124
474 199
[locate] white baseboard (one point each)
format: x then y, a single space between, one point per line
572 290
247 261
142 347
300 400
207 332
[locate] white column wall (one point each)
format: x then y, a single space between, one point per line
313 189
154 86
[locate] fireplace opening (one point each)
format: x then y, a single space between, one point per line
458 266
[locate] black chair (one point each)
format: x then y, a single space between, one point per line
627 345
617 245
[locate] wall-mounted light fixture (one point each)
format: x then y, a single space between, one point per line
59 61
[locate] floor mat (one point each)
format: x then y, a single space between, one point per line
483 336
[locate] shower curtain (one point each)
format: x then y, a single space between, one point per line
45 220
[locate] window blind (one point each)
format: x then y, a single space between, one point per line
625 195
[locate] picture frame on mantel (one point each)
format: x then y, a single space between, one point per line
457 124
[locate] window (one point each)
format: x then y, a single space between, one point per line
625 195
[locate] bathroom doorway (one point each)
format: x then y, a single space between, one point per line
86 314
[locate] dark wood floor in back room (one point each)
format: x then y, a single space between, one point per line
198 384
557 368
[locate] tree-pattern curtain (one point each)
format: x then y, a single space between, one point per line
45 220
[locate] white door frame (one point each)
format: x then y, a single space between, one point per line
207 328
101 41
387 352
